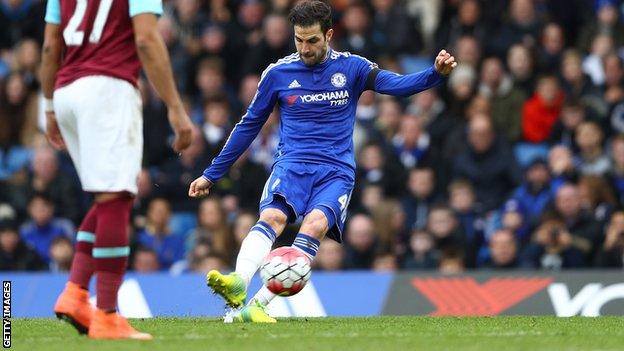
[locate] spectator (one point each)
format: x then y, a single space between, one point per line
14 105
389 114
419 197
61 254
552 249
216 126
487 162
579 223
42 227
243 183
462 201
591 158
505 99
575 83
357 36
429 108
601 46
564 130
211 262
616 175
45 177
542 110
611 254
451 262
614 78
422 254
523 27
242 225
561 163
520 63
330 256
537 191
462 83
212 228
596 197
468 51
15 255
175 174
394 30
443 226
503 250
606 20
375 168
412 145
145 260
361 242
20 19
275 43
385 262
466 22
551 47
158 237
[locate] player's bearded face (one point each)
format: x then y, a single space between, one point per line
312 44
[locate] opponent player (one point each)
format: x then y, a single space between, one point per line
92 54
317 90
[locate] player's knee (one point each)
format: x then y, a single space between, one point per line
274 217
315 224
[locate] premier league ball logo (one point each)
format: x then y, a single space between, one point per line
338 80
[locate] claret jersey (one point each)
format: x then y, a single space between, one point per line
98 37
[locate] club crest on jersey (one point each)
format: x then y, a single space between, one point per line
338 80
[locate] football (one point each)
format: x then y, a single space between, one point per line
285 271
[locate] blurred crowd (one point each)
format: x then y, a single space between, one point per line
516 162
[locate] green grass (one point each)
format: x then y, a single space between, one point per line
377 333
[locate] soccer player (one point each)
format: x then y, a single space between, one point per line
92 54
317 89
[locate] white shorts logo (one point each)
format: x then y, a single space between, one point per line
339 80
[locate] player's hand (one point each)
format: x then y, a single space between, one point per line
199 187
53 133
444 63
182 127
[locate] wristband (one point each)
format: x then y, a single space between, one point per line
49 105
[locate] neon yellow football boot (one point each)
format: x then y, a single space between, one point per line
231 287
254 313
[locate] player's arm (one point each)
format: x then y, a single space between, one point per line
155 59
50 63
241 137
391 83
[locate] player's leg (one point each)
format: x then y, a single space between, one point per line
282 196
110 143
314 227
326 214
73 303
110 253
254 248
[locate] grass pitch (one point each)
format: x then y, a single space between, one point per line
377 333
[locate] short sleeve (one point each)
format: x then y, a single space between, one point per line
53 12
138 7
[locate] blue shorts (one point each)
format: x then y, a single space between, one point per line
298 188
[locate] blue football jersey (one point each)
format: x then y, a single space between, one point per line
317 108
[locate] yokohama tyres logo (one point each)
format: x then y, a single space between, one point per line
464 296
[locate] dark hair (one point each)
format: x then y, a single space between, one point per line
311 12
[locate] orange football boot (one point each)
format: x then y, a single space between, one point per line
113 326
73 307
